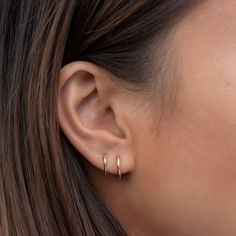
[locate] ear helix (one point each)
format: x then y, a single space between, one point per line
118 164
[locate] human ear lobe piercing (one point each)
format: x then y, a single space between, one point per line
118 164
105 163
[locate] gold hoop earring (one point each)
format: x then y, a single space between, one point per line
105 163
118 166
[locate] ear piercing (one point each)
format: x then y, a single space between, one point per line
117 163
105 163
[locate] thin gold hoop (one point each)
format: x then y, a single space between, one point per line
118 166
105 163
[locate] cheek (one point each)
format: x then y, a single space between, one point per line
199 139
203 127
190 167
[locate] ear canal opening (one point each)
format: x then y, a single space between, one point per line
103 117
119 133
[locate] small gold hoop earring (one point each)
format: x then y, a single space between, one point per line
118 166
105 163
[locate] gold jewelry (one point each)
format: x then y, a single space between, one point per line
105 163
118 166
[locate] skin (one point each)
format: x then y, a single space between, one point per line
181 179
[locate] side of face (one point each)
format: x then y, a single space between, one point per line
188 171
180 176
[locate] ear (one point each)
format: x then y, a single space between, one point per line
91 115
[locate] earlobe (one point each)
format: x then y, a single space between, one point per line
88 116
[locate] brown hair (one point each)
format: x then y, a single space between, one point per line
43 185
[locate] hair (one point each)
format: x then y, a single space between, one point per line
44 189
